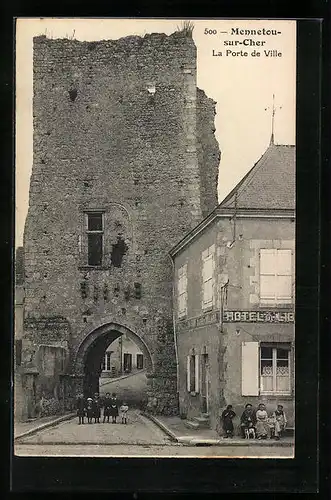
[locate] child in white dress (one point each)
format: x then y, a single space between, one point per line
124 412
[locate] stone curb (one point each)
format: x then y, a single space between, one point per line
45 425
164 428
196 441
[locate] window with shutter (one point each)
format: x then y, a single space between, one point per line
276 276
193 372
182 291
275 369
250 368
208 278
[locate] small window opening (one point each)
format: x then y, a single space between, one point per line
95 238
137 290
83 289
96 293
116 291
105 292
123 311
73 94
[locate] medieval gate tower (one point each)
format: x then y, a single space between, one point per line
125 163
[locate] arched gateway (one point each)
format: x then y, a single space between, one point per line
91 350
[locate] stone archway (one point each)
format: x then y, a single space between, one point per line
92 348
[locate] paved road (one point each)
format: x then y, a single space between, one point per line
140 437
146 450
138 431
131 389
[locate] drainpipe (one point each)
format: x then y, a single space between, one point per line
174 321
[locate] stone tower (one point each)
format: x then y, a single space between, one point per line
125 163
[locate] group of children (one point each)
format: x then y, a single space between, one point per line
91 408
255 423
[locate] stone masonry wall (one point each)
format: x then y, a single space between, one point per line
208 152
115 130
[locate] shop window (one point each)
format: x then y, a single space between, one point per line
182 290
276 276
192 373
94 232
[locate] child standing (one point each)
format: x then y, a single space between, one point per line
124 411
89 410
227 416
80 405
113 408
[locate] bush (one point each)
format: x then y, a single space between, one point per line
49 407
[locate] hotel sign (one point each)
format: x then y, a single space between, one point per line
258 317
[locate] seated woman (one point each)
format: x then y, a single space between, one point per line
247 421
262 425
279 421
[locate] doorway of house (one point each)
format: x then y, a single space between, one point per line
204 384
127 362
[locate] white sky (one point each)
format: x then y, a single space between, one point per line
241 86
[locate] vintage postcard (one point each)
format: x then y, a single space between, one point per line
155 238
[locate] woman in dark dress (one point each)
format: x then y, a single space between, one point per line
248 419
227 416
113 408
80 405
96 408
106 407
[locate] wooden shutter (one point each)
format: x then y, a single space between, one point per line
188 373
207 276
250 368
197 372
284 275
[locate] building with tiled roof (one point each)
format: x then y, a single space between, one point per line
269 185
234 289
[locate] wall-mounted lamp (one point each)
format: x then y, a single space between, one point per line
237 331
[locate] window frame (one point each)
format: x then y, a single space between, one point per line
141 357
182 293
88 231
193 373
275 347
276 301
107 365
208 254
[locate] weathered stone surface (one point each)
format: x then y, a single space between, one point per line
119 128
